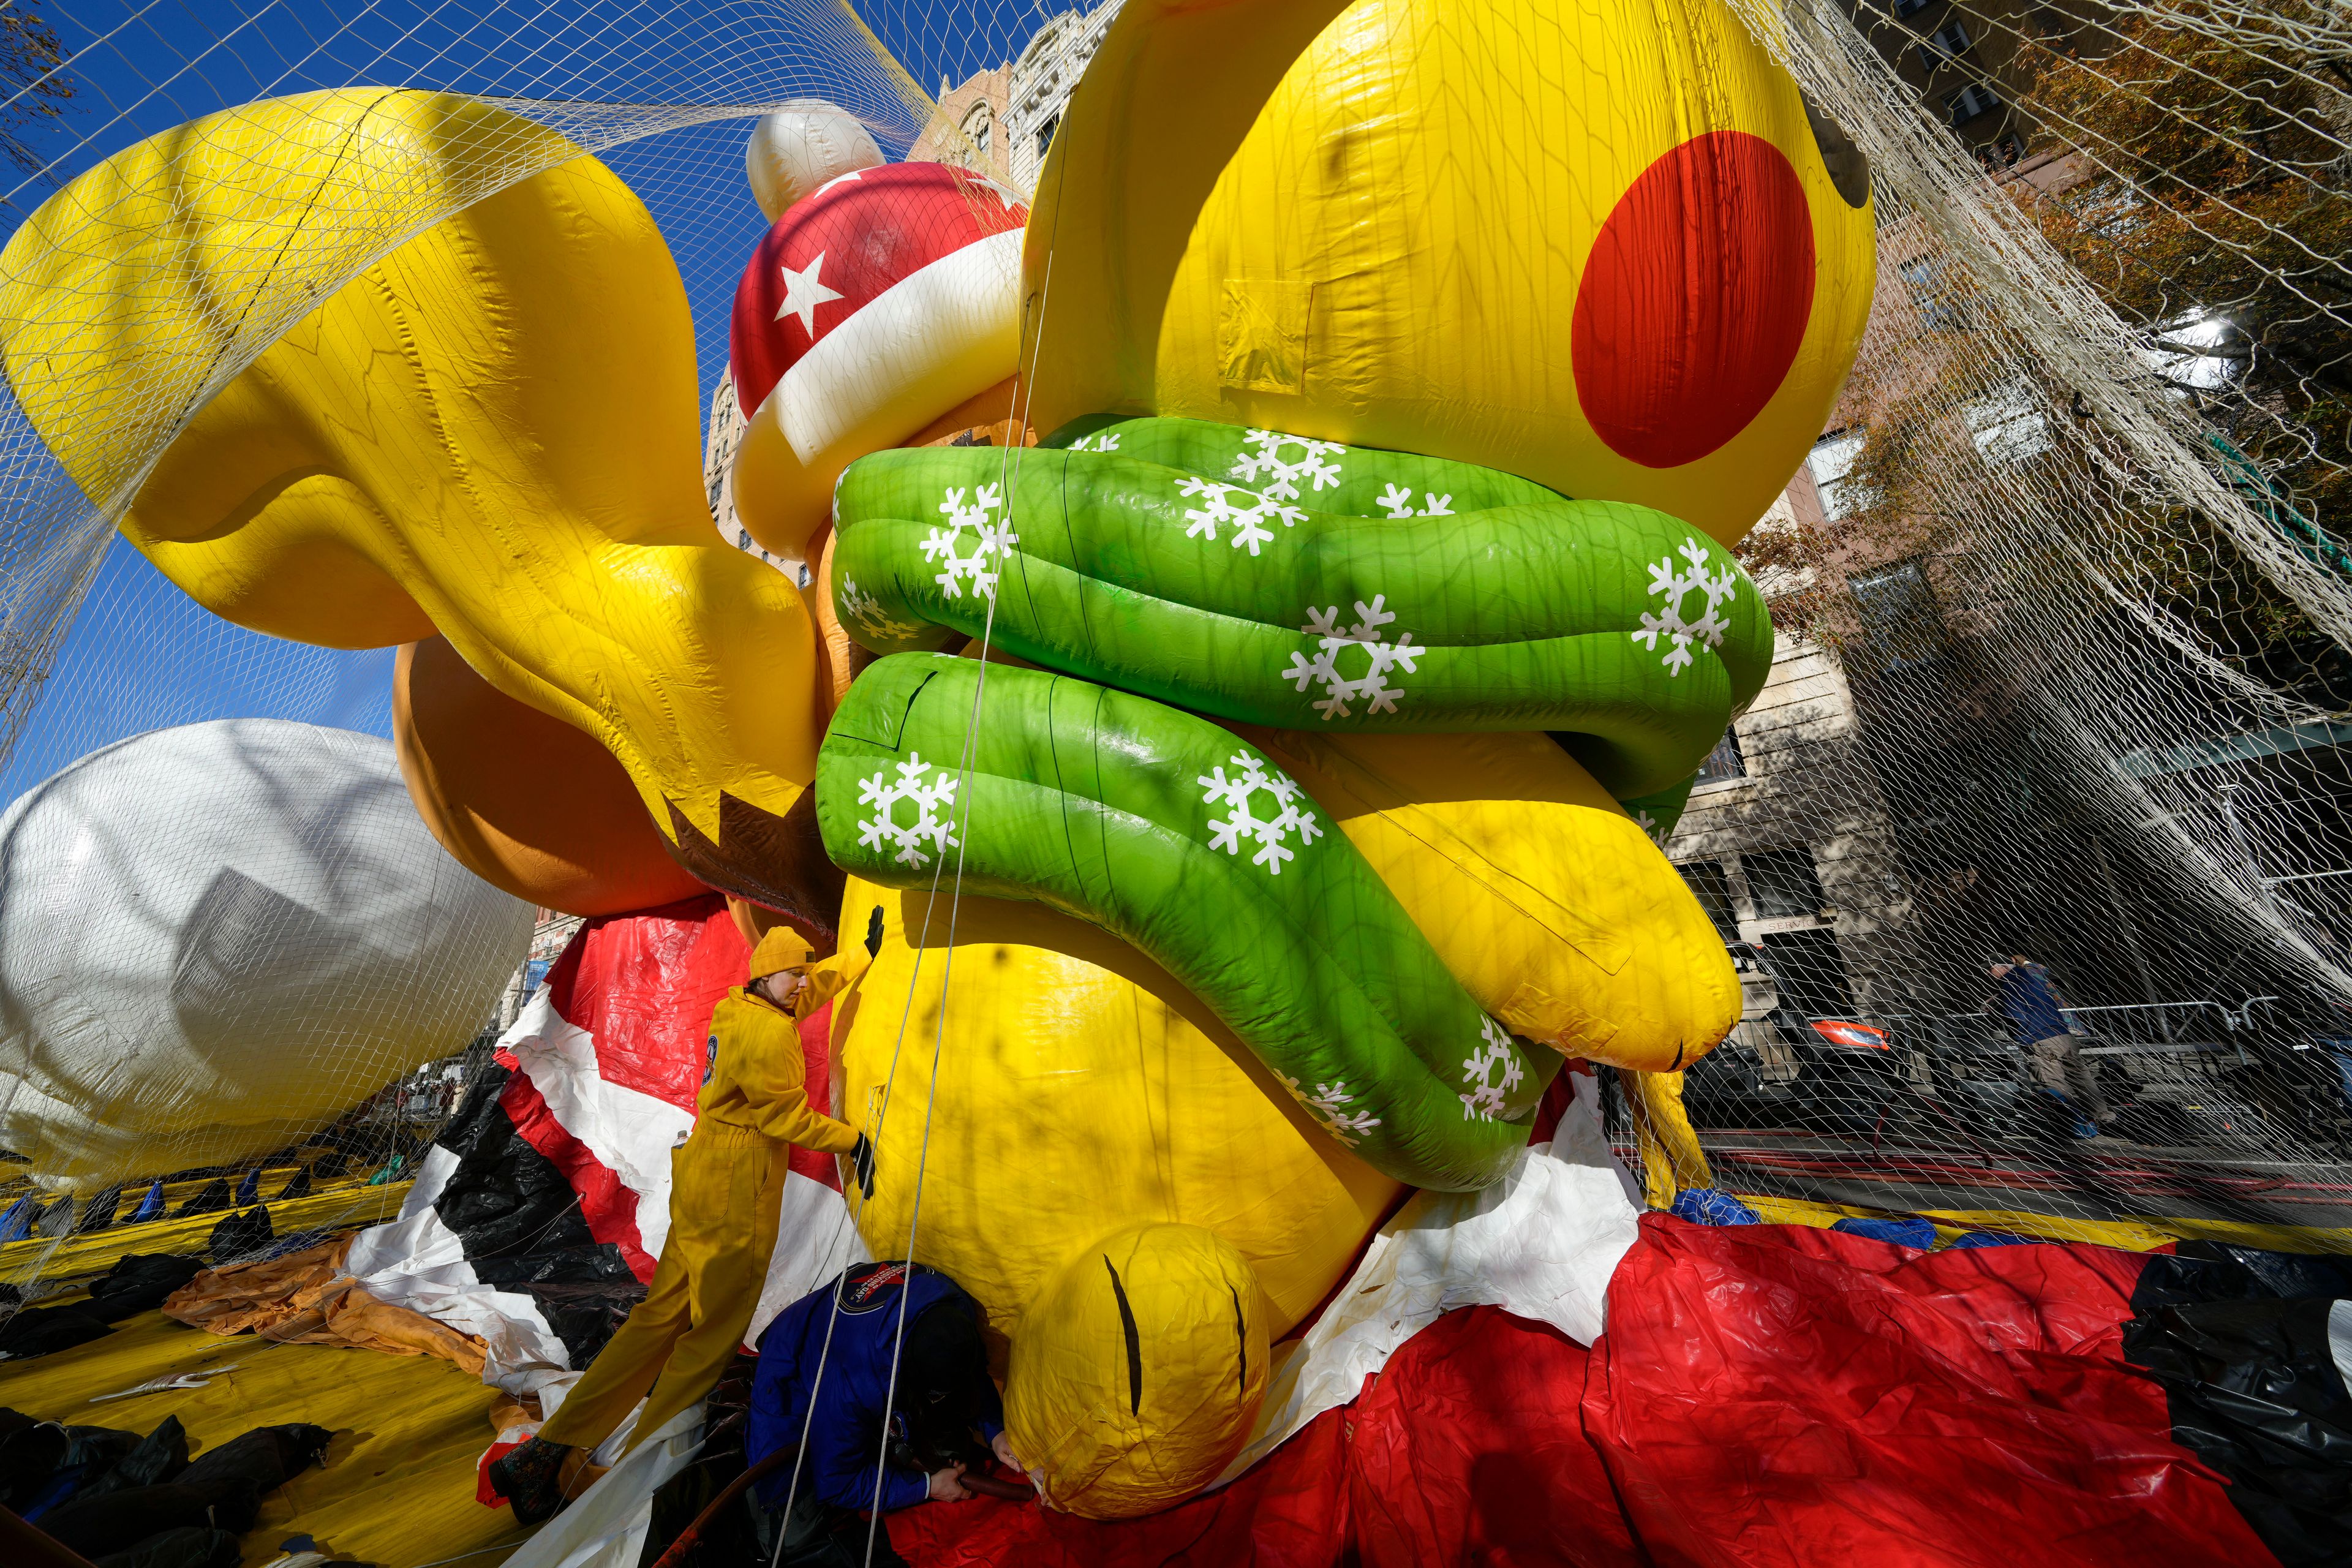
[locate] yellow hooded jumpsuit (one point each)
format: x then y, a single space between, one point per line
726 1187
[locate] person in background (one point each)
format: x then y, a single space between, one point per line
2022 993
725 1188
825 1371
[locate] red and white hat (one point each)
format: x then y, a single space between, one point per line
877 303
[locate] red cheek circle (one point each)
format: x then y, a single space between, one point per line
1693 300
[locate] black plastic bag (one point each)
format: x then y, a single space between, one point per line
2253 1391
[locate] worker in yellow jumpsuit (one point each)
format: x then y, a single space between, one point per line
726 1185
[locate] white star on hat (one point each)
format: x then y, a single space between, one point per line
803 292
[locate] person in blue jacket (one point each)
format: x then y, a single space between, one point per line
2036 1015
946 1416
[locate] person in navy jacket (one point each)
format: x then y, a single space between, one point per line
945 1403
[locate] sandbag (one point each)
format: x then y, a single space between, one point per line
46 1329
120 1520
210 1199
28 1455
239 1236
138 1282
160 1456
187 1546
266 1456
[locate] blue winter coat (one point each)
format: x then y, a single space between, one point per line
2024 996
845 1441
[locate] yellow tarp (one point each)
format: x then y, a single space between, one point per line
2138 1233
397 1487
346 1205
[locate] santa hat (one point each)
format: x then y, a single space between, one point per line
878 302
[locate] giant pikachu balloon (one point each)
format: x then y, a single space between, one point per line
1606 249
1363 615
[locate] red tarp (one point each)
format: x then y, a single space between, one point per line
1765 1394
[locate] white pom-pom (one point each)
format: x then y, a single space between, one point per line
799 147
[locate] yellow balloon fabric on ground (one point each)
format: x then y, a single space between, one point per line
1139 1374
1602 247
1079 1088
491 432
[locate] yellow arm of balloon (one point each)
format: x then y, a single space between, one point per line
1544 899
490 431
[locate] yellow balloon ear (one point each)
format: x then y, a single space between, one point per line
490 431
1138 1372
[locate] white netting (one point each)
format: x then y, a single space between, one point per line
2071 565
2062 665
98 646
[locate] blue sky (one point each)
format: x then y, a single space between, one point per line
141 655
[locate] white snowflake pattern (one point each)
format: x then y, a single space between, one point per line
1397 501
1268 833
1677 583
868 612
1329 1104
933 802
1100 441
1382 659
1483 1098
1247 518
1649 824
943 546
1317 464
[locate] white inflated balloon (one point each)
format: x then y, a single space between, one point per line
796 148
215 938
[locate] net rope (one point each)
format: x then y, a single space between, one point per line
2062 644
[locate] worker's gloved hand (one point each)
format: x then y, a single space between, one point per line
947 1485
861 1162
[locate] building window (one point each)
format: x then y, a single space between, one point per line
1930 296
1901 624
1712 888
1832 459
1970 101
2008 423
1045 134
1949 43
1808 972
1910 7
1783 882
978 130
1724 762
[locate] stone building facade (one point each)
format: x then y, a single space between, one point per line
968 129
1041 79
